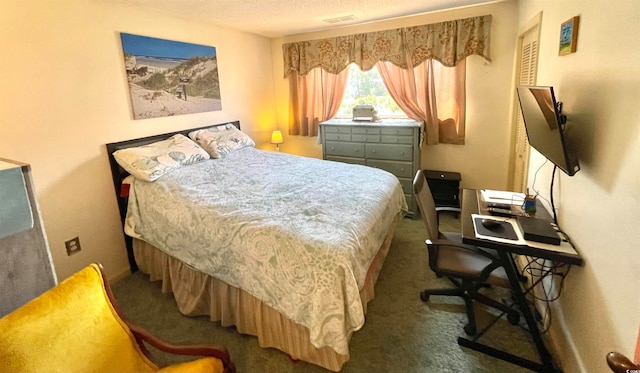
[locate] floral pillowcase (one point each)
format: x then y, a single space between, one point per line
149 162
221 140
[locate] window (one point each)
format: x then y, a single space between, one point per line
366 87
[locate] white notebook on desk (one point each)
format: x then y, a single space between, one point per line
500 196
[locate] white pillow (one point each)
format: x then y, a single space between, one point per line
221 140
149 162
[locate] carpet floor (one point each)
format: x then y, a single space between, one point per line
401 334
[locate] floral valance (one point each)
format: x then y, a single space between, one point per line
447 42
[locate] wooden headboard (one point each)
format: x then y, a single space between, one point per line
118 174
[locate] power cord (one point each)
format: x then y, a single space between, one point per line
539 269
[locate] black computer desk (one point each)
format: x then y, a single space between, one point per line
472 203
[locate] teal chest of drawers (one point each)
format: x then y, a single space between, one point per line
391 145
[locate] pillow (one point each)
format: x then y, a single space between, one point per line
221 140
149 162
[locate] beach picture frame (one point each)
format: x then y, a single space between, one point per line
168 78
569 36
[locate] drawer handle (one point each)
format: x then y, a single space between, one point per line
401 169
356 150
397 140
401 153
365 139
337 137
397 132
333 148
373 151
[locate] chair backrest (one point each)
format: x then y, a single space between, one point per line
427 206
71 327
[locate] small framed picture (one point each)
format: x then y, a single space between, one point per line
569 36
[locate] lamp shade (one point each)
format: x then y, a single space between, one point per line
276 137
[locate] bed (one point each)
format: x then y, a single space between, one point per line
285 248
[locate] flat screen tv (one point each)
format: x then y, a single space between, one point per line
544 123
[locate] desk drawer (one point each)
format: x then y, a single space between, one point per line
344 149
400 169
392 152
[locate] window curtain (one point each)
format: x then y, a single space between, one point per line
314 98
430 93
408 48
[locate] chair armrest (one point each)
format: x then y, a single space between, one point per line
474 249
448 208
496 262
208 350
620 363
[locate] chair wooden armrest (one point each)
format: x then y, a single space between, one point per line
620 363
206 350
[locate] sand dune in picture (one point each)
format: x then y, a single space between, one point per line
153 104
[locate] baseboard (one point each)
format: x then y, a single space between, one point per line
124 272
560 344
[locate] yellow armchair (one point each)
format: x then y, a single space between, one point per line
77 327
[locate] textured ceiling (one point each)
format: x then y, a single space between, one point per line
274 18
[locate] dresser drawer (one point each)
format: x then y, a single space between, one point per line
388 139
346 160
345 149
400 169
397 131
388 151
337 129
365 138
409 198
407 185
365 130
337 136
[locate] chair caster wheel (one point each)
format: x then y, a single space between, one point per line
470 329
424 296
513 317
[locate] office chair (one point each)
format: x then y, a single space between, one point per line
469 268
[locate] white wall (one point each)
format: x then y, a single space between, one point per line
599 310
65 95
483 161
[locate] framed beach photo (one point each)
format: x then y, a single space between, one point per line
168 78
569 36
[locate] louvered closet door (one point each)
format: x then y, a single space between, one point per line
526 76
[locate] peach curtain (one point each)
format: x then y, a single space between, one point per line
430 93
314 97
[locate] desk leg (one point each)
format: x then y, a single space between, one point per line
521 301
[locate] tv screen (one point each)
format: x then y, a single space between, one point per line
541 116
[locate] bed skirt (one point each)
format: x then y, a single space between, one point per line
199 294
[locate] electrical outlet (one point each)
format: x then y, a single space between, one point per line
73 246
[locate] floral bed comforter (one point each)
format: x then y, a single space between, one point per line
297 233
